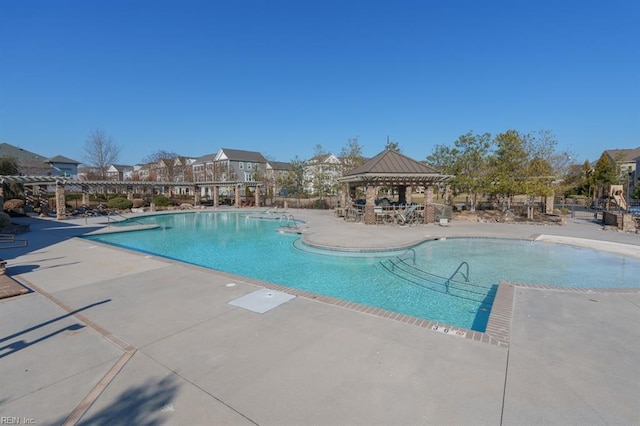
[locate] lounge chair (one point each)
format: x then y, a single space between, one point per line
408 216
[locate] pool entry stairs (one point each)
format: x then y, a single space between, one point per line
456 285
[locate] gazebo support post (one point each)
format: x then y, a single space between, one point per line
429 208
370 203
409 194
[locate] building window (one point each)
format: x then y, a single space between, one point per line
241 165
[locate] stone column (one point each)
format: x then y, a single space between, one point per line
256 194
85 194
409 194
196 195
429 208
238 196
369 212
129 193
216 195
343 195
61 205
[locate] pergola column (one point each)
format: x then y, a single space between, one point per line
130 193
370 203
61 205
196 195
85 194
343 195
216 195
429 208
238 196
409 194
257 196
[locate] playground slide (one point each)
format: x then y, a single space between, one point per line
620 201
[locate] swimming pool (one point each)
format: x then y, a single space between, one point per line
238 244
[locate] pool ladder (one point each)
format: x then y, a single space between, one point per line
459 271
289 221
447 281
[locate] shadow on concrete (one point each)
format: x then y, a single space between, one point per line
144 405
23 269
51 321
46 232
19 345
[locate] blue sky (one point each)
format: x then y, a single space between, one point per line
281 77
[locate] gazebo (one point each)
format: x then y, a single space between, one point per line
392 169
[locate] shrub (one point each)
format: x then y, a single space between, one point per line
119 203
320 204
5 220
162 201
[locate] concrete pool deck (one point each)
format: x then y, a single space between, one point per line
108 336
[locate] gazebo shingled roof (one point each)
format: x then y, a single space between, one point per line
392 168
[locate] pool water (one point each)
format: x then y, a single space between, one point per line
236 243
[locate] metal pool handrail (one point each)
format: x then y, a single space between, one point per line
290 221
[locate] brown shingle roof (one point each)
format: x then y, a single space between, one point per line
390 161
391 167
623 154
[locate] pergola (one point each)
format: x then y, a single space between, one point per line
37 185
392 169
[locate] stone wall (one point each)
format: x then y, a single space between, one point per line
622 221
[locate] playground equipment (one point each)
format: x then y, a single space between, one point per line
615 194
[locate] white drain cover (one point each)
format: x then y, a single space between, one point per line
262 300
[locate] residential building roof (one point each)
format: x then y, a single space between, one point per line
279 165
623 155
205 159
240 155
62 159
22 155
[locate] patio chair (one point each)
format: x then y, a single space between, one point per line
409 216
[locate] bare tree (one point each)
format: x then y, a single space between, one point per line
100 152
162 164
159 155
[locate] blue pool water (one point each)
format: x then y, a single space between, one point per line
235 243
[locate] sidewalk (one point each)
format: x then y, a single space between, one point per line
113 337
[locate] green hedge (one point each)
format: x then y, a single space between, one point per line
162 201
119 203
